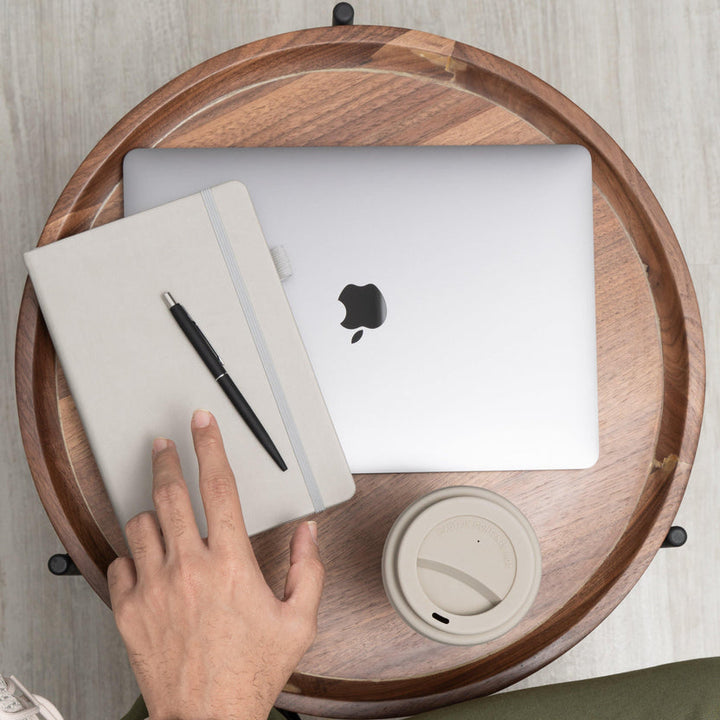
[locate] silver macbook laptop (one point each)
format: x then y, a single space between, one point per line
445 295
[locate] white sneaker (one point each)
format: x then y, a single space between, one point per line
18 703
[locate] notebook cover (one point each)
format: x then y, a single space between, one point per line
134 375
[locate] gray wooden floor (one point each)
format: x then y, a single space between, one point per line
646 70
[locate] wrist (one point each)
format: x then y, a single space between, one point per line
231 711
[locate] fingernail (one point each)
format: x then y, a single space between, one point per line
159 443
201 418
312 525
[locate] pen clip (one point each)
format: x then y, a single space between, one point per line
207 343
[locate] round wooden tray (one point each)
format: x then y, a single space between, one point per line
598 528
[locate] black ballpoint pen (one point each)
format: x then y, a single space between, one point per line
211 359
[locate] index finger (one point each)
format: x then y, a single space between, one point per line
226 526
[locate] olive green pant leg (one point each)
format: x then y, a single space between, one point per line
137 712
678 691
687 690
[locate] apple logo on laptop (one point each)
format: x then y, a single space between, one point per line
364 308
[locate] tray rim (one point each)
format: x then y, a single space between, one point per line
662 501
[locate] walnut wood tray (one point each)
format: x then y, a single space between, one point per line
598 528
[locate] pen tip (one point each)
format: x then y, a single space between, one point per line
169 299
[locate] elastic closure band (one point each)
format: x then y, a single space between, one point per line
263 352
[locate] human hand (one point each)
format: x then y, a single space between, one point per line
206 637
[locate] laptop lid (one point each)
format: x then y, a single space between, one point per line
445 295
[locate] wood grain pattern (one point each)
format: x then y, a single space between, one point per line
598 529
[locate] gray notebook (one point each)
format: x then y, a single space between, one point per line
134 375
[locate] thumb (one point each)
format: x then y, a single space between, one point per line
304 583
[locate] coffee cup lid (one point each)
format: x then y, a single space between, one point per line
461 565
